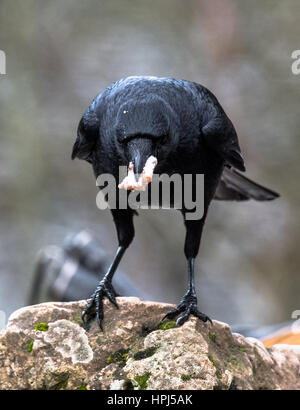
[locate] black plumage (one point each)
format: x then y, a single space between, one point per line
183 125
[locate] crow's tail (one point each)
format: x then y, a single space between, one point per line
235 187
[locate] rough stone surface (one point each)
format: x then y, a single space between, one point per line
131 354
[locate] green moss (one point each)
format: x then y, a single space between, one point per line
233 360
211 359
142 381
219 374
76 319
82 387
120 356
30 346
167 325
186 377
242 349
43 327
212 336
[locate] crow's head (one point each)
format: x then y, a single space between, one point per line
144 128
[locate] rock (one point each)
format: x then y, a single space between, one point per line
47 346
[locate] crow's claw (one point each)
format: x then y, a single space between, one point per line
174 312
192 310
94 306
187 305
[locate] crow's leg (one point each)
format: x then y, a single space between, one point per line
188 304
124 223
104 288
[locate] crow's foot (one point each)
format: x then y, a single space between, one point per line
187 306
94 307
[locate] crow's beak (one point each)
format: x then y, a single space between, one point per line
137 165
139 150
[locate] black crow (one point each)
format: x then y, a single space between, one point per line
183 125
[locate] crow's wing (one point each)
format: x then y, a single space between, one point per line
87 133
236 187
217 130
219 134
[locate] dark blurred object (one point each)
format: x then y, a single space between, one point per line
72 271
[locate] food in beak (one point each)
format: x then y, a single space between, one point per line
130 183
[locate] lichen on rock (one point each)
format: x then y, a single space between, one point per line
70 340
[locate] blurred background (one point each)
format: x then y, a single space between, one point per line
60 54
